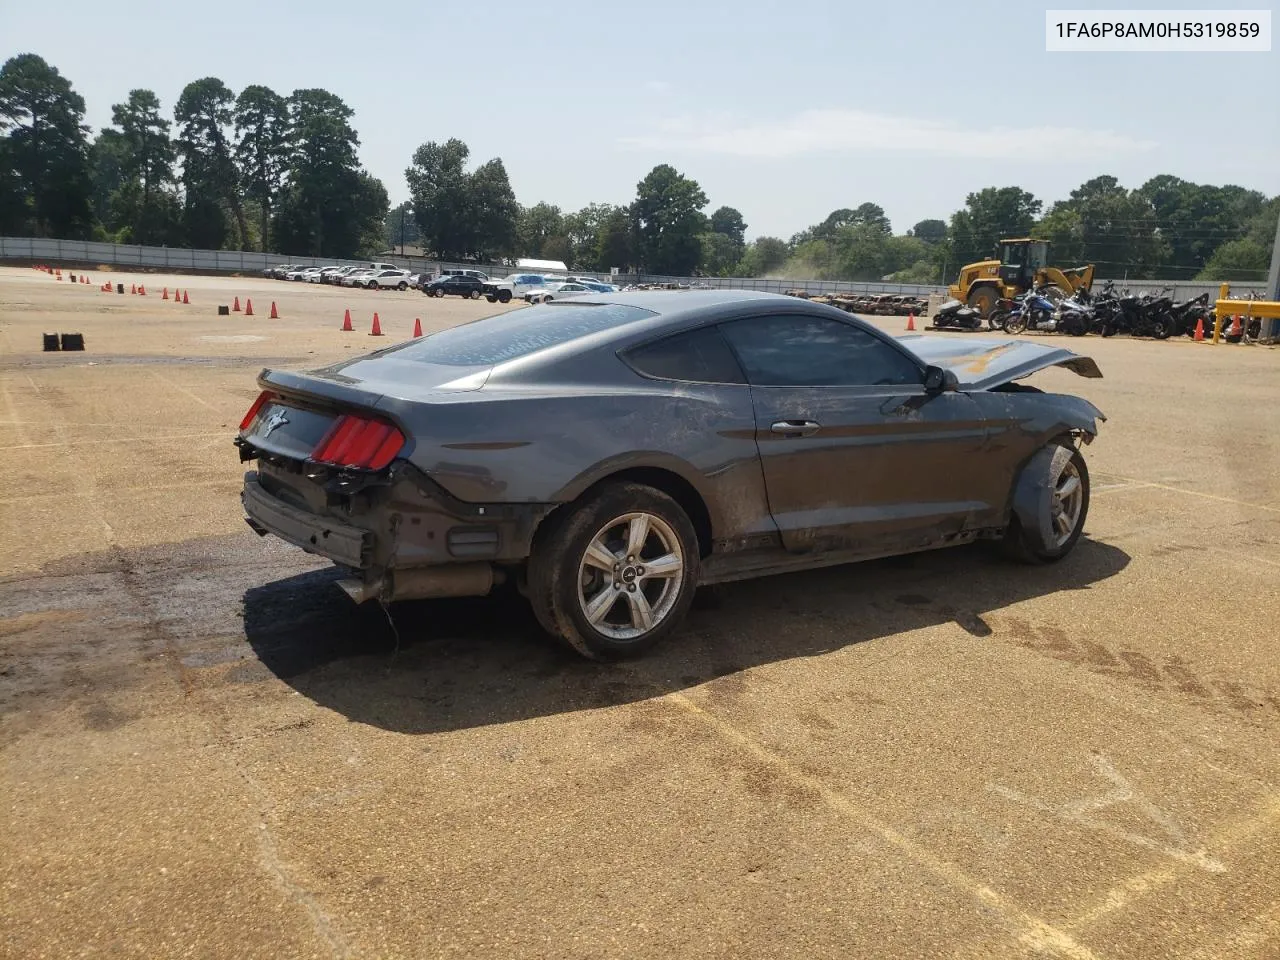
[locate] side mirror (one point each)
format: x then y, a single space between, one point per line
938 380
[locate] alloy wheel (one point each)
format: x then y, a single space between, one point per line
630 576
1068 499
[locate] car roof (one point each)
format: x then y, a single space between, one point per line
672 302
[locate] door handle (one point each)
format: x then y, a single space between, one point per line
796 428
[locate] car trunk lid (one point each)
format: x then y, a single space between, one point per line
983 364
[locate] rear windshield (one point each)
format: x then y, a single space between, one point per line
507 336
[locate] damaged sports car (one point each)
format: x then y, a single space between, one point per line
609 454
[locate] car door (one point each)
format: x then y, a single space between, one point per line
856 453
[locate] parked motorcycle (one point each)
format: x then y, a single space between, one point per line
1033 311
957 316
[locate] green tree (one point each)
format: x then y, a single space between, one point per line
1063 227
45 182
331 207
720 254
1117 229
764 256
668 219
583 232
930 231
145 204
401 227
537 225
990 215
492 211
109 161
728 222
262 150
1245 260
205 112
438 185
616 242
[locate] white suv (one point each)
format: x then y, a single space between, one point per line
516 285
387 278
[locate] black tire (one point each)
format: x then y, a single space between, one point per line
504 296
996 319
402 286
1041 479
1015 323
560 579
475 294
983 300
438 292
491 298
372 285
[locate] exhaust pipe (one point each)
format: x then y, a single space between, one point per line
426 583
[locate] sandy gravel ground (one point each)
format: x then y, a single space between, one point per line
207 751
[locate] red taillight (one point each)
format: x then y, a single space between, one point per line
263 397
358 442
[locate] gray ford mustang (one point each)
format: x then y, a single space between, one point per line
611 453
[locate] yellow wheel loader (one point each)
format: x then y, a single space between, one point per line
1023 264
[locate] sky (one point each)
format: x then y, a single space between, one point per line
784 111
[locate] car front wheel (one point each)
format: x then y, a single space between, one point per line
616 573
504 296
402 286
438 292
1054 492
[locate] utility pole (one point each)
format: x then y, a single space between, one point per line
402 230
1273 276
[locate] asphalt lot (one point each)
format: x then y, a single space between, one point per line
206 750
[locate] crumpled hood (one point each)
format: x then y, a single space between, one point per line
981 364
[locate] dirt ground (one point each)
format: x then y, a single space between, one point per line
206 750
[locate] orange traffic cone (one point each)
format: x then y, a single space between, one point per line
59 275
417 327
377 327
142 290
165 295
248 307
1199 328
236 307
346 322
911 321
1235 326
184 297
133 288
274 315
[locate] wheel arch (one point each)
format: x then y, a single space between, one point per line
666 477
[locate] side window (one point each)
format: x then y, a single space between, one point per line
793 351
699 356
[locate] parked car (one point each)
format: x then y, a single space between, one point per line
456 284
420 280
356 278
556 291
328 273
315 274
386 279
278 272
299 274
609 455
516 285
591 283
478 274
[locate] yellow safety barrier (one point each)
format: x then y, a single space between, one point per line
1248 309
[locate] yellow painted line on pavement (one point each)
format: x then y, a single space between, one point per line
1125 892
1032 932
1200 493
152 439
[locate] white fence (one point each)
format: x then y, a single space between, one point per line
89 253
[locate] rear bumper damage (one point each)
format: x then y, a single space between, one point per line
402 537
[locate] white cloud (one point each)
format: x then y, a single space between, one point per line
855 131
657 86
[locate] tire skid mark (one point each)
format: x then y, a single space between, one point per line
1171 675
